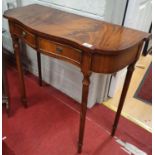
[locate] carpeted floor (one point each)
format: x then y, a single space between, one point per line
49 126
144 91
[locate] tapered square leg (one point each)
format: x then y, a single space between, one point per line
16 47
39 68
5 85
122 99
85 91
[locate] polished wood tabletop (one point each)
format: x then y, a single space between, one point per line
103 37
92 45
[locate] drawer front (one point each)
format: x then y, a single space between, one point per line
60 51
28 37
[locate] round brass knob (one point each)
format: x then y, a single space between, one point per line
23 34
59 49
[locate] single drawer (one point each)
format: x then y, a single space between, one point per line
24 34
60 51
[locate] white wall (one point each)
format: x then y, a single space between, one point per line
108 10
139 16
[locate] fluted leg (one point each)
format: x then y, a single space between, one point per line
5 85
16 47
123 95
85 91
39 68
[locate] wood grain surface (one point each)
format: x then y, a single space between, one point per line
104 37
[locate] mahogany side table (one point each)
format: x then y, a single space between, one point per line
92 45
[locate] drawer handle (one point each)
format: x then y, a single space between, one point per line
23 34
59 49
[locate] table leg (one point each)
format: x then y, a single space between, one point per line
85 91
16 47
123 95
6 94
39 68
5 85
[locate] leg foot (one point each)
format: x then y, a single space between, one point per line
79 148
113 131
24 101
